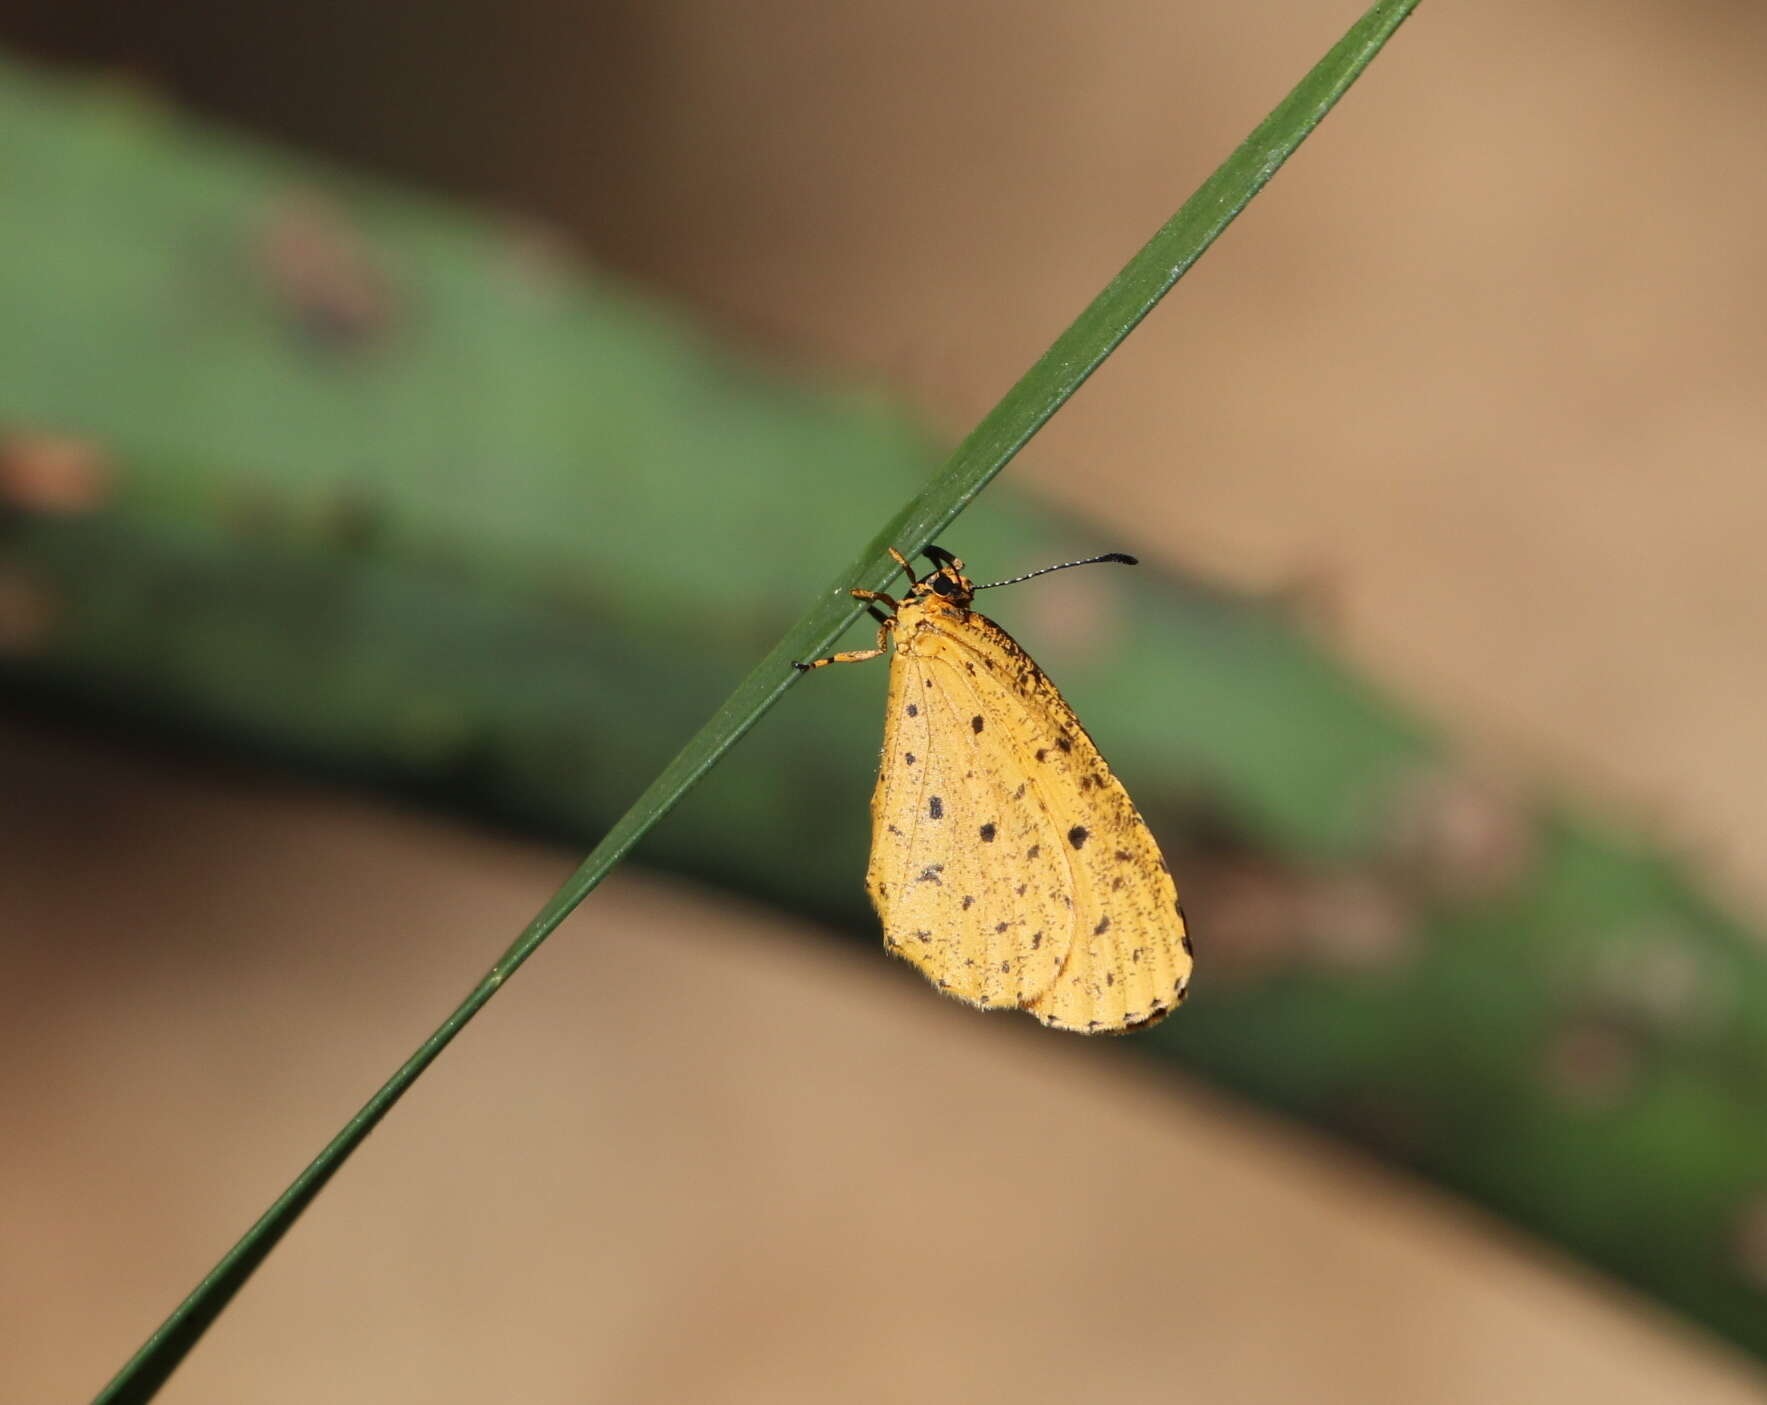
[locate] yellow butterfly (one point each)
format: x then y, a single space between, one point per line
1007 862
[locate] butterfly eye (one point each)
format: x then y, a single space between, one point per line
943 585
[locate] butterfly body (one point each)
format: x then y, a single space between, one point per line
1008 863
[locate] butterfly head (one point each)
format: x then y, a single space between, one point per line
947 583
948 586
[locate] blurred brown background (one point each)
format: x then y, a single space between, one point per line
1481 382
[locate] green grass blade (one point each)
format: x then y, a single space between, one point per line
1061 371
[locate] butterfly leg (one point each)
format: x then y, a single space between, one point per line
885 623
907 570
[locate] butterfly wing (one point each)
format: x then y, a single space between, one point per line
1079 905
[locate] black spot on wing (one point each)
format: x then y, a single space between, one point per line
1077 835
987 832
1104 925
975 723
935 807
913 711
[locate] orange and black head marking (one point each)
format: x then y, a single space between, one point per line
946 582
945 588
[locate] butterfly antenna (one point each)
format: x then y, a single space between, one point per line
1119 556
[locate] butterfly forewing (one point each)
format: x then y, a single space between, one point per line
949 872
